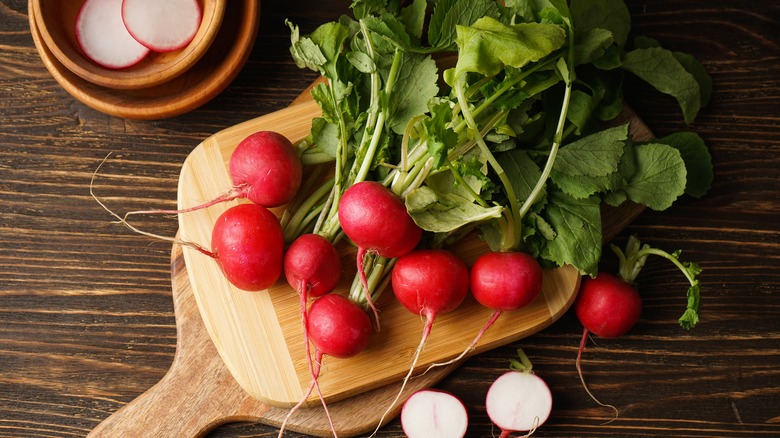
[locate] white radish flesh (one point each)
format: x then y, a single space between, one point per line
103 38
162 25
434 414
518 402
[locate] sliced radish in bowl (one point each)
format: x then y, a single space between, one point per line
162 26
103 38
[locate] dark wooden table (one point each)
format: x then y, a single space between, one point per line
86 316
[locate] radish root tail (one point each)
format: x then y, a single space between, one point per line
232 194
136 230
417 352
583 341
471 346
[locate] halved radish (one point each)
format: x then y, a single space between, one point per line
162 26
518 401
102 35
431 413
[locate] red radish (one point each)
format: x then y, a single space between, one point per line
338 328
376 220
102 35
264 169
431 413
502 281
518 401
248 244
609 306
428 282
162 26
312 267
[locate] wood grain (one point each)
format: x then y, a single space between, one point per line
86 314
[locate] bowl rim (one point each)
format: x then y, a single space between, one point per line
134 77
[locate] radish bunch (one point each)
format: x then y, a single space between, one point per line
118 34
609 305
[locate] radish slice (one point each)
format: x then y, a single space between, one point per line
429 413
103 38
162 26
518 401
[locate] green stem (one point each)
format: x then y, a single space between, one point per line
513 219
551 157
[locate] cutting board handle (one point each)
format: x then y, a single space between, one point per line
197 394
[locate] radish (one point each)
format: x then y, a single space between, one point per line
103 38
518 400
264 169
428 282
162 26
431 413
248 245
338 328
376 220
312 267
609 306
502 281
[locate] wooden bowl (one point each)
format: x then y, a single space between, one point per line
207 78
56 19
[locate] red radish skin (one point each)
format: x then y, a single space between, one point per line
428 282
248 244
102 36
162 26
431 413
609 307
518 402
264 169
312 267
376 220
502 281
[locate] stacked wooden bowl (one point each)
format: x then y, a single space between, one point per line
163 84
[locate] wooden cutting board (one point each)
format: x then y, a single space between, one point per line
217 378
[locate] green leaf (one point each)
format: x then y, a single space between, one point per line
521 170
610 15
445 212
415 86
592 46
449 13
698 161
661 69
595 155
325 135
660 176
694 67
577 225
489 45
304 51
413 18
